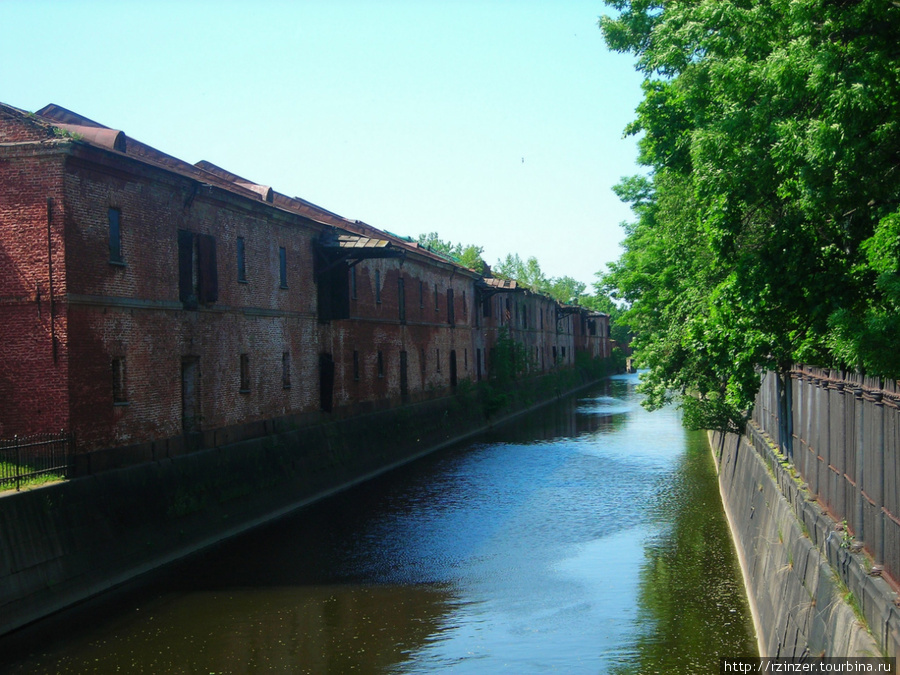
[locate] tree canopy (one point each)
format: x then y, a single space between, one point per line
766 229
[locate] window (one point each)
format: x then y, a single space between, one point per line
451 317
563 354
377 286
401 299
466 359
465 306
118 381
524 316
542 318
355 365
422 363
353 282
282 266
380 364
436 308
115 236
241 267
421 295
286 370
198 281
245 373
437 357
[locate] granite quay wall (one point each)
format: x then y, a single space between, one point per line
67 542
843 438
809 591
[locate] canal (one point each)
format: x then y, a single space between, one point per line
587 538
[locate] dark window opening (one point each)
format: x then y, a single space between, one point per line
282 266
353 282
355 366
245 373
524 316
453 378
377 286
437 357
380 364
115 236
401 299
198 281
118 381
486 307
436 307
241 265
333 291
451 316
286 370
465 305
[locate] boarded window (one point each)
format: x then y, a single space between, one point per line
118 381
198 281
245 373
115 235
241 265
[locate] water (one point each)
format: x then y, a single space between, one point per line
588 538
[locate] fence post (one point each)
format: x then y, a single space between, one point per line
860 463
878 443
18 463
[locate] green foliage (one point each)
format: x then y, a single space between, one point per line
766 229
466 255
509 359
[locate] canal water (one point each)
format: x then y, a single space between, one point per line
586 538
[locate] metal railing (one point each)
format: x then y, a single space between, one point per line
846 447
33 459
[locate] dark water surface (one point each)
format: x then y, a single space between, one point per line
588 538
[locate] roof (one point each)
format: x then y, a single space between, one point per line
94 133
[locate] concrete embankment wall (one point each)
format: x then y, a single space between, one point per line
807 590
64 543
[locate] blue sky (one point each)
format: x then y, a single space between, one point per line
497 123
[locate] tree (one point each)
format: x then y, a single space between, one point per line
466 255
768 129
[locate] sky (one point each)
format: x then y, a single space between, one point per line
497 123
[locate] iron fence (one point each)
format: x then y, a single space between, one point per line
30 459
845 444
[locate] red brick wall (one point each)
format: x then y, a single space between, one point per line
133 311
33 393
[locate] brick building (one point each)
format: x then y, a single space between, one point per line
146 301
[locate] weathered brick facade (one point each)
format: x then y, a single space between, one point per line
144 300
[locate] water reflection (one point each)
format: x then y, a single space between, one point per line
586 537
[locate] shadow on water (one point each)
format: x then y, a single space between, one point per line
584 537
